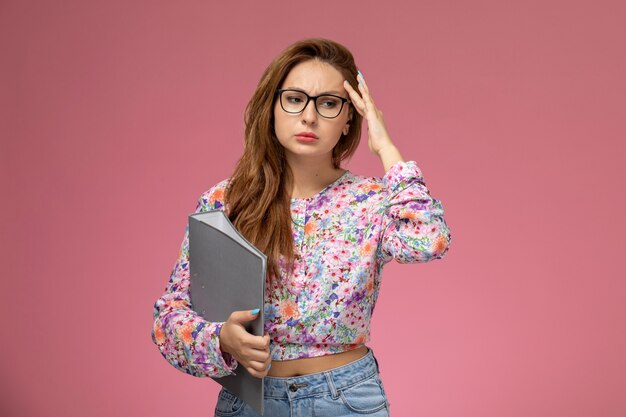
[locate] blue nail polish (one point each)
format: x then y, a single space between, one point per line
269 365
361 74
256 310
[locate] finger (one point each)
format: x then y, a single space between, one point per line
260 367
355 98
255 373
258 355
363 83
262 342
365 94
262 374
364 101
354 95
368 101
244 315
367 97
251 341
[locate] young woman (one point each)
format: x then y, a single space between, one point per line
327 233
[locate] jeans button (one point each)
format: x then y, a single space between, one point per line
293 388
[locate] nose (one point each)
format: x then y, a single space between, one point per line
309 114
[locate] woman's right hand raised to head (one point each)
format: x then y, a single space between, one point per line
253 352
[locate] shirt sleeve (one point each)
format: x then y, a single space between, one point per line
186 340
413 227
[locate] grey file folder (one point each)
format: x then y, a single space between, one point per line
227 274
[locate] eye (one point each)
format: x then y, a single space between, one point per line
329 102
294 99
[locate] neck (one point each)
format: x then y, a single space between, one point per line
310 176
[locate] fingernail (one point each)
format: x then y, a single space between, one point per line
269 365
361 74
256 310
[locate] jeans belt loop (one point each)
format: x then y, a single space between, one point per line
331 385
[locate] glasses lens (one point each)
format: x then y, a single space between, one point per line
294 101
328 106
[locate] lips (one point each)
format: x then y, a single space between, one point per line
307 134
306 139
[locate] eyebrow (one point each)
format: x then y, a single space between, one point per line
325 92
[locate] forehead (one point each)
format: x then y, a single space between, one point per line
314 76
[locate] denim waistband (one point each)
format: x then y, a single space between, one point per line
323 382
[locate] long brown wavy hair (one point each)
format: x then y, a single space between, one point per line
257 197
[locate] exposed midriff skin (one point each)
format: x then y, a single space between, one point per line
305 366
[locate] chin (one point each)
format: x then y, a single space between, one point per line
311 152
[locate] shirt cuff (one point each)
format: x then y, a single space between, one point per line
401 174
228 361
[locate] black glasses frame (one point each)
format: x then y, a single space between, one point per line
279 92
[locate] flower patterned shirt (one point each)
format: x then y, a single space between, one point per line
343 236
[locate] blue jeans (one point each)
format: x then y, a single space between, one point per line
353 389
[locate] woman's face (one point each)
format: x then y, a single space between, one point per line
314 78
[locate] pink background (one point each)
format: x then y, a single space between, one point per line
116 115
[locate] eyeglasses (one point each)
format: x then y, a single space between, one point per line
295 101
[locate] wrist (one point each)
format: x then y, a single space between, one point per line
389 156
223 348
386 149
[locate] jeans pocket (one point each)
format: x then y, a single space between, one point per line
228 404
364 397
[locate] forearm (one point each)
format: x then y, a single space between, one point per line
414 229
389 155
187 341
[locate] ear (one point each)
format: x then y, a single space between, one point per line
346 129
